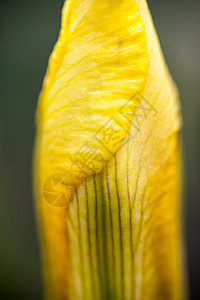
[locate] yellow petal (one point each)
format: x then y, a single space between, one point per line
108 141
99 63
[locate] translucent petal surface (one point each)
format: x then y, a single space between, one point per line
99 64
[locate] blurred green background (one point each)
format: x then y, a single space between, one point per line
28 31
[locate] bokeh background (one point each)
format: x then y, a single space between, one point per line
28 31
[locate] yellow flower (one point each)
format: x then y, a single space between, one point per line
107 159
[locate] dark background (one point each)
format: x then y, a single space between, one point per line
28 31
